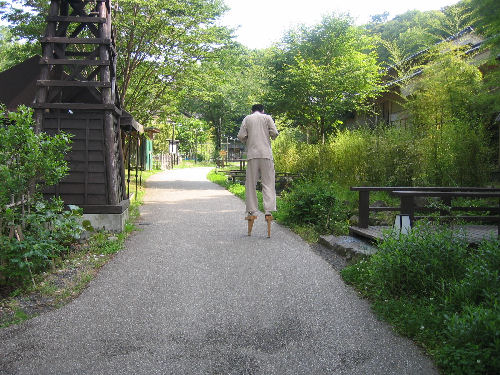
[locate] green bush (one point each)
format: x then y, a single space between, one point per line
314 202
286 151
481 282
436 290
47 232
472 341
27 159
33 231
456 153
422 263
385 155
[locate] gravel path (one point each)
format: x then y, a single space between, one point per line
193 294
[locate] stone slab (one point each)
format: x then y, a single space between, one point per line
109 222
348 246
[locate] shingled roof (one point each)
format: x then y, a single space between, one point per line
18 84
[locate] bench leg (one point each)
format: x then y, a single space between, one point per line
407 208
364 208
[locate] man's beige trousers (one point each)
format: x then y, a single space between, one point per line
263 168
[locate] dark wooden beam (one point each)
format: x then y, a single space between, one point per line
74 62
93 29
65 83
64 40
75 19
47 52
76 106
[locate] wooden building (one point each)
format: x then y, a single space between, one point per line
72 88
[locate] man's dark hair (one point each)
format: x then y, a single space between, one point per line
258 108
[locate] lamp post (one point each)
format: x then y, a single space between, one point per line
234 147
196 145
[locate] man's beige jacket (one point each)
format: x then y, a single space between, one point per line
256 131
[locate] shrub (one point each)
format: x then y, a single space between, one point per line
314 202
456 153
436 290
48 231
481 282
422 263
472 341
34 231
27 159
286 151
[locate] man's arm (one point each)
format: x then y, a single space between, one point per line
243 134
273 132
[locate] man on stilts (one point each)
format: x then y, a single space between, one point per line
256 132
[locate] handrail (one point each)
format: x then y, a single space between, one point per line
421 188
407 194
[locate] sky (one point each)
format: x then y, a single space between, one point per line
263 22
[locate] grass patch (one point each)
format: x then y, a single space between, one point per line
71 273
306 232
191 164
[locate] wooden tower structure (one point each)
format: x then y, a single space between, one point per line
76 93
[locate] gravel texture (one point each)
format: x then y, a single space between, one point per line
193 294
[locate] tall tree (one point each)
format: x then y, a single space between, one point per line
446 90
321 73
488 15
221 90
159 39
26 20
456 17
409 33
7 49
156 40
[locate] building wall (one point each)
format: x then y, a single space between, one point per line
86 183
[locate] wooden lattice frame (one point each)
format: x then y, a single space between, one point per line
78 50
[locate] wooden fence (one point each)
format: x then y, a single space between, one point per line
165 161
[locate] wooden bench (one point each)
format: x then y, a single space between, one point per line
283 179
235 175
243 163
408 207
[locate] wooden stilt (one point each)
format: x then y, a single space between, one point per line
250 219
269 219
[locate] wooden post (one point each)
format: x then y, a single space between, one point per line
109 136
121 161
407 207
47 53
446 201
364 208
